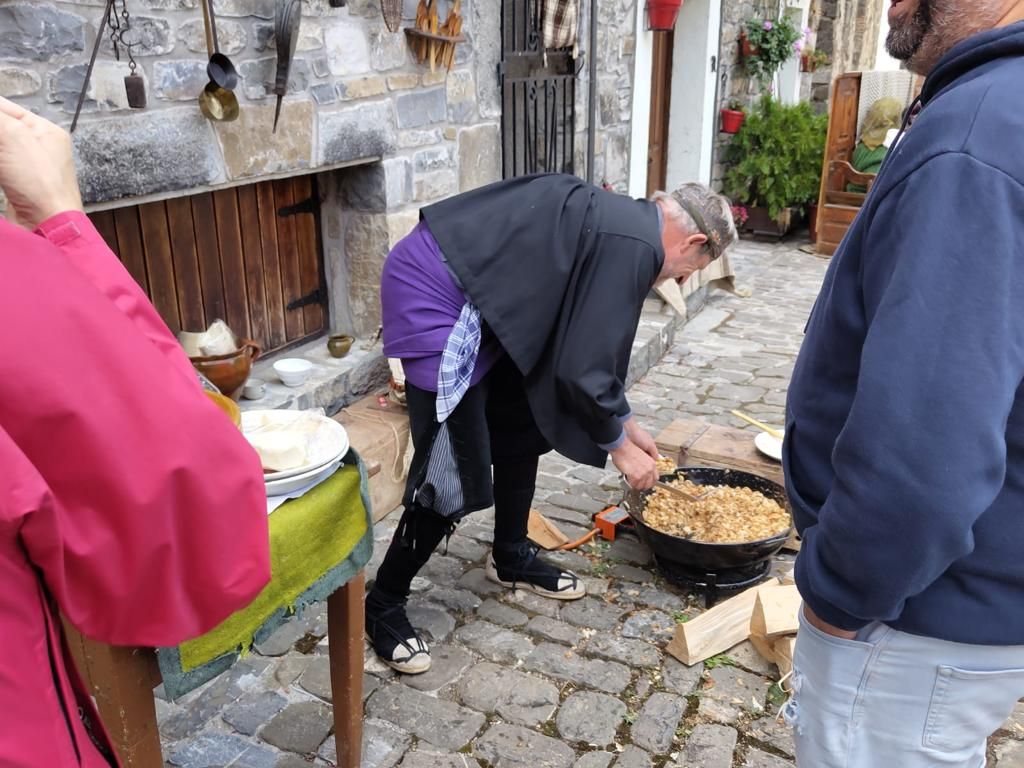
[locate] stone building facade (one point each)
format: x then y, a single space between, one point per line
846 30
357 100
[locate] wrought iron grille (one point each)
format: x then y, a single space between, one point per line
538 122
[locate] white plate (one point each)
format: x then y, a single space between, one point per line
769 446
328 443
293 483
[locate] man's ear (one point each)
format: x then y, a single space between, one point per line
697 238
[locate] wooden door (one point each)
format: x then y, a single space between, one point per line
250 256
661 90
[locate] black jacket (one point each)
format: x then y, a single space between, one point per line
559 270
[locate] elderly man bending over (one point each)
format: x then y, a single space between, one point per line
513 309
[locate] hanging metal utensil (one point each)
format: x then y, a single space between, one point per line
216 102
92 63
287 21
134 85
220 69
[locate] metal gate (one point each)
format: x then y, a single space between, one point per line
538 121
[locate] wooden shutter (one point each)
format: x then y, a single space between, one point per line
242 255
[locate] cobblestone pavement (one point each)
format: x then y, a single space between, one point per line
522 681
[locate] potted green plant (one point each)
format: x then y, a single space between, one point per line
732 116
767 44
774 164
811 59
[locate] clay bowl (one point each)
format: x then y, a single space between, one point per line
229 372
338 344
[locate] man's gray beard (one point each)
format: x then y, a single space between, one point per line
904 40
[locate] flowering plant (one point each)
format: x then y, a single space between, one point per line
774 41
815 58
739 215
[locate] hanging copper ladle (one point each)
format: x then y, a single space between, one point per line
218 101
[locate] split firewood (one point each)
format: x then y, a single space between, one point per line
776 612
784 654
716 630
542 531
421 24
432 19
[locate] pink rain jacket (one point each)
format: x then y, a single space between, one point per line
128 503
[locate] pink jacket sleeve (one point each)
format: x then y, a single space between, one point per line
153 527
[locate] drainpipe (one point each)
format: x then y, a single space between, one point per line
721 83
592 97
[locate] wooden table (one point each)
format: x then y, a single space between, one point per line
122 681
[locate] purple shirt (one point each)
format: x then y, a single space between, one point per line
420 304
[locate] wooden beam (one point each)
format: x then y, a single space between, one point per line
776 612
716 630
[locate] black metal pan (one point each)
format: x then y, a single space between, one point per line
700 556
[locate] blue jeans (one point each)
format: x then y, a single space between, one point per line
888 699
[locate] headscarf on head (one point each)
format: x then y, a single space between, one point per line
884 115
693 199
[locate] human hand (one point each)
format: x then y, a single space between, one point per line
37 169
637 466
641 437
824 626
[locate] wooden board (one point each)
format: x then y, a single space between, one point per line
306 253
291 286
232 263
717 630
156 243
208 252
696 443
542 531
776 612
276 333
252 252
186 264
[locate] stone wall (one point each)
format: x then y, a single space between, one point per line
616 42
356 96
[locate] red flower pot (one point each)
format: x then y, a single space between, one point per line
747 49
732 119
661 14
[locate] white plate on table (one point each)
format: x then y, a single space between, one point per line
768 445
328 441
295 482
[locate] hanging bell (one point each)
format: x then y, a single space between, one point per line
135 87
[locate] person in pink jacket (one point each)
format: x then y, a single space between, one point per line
128 503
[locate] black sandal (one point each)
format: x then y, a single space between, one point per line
396 641
521 568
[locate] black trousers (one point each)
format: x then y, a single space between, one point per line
496 444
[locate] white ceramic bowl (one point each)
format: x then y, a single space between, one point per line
293 371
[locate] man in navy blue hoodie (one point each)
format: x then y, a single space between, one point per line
904 453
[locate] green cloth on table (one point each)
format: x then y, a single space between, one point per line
866 161
318 542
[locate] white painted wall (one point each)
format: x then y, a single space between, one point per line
693 119
641 119
788 78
